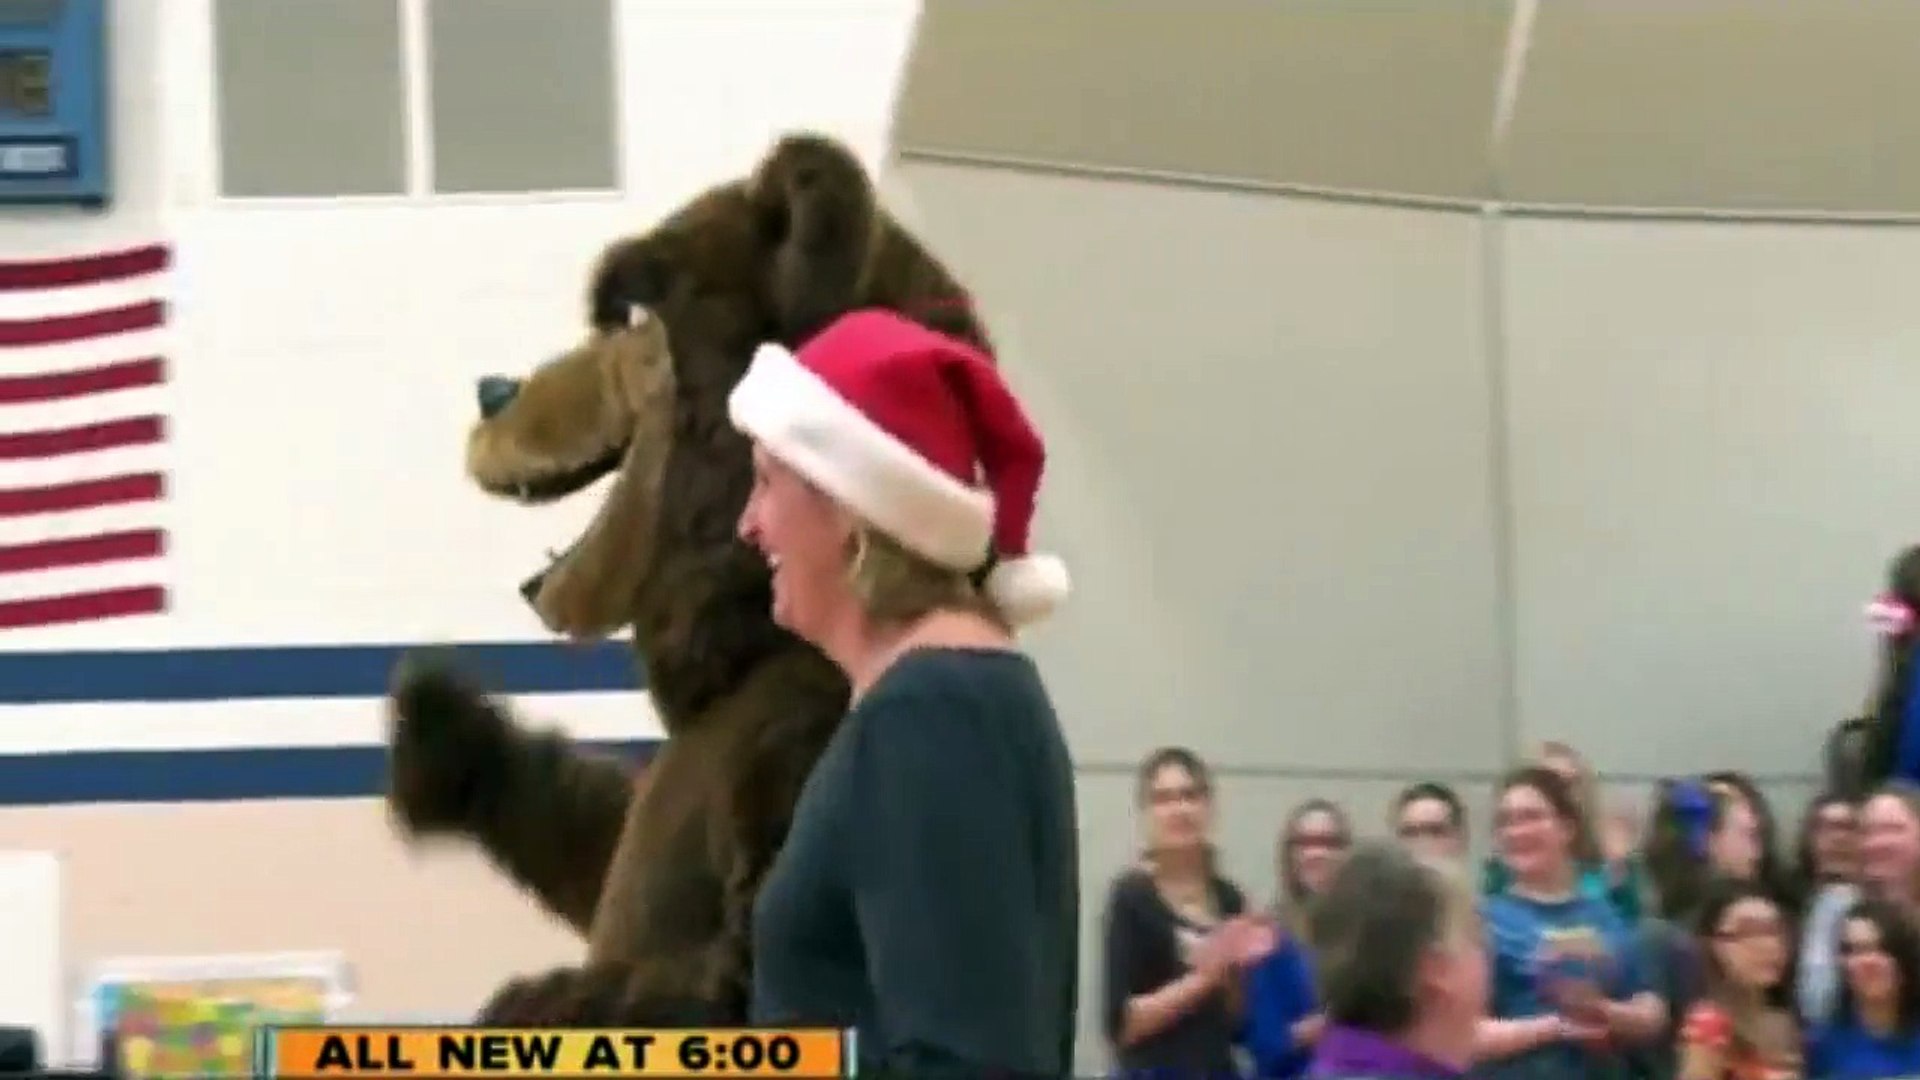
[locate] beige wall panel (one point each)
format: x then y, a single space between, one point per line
1269 470
1383 97
1713 457
1758 105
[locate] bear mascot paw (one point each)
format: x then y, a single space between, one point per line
657 868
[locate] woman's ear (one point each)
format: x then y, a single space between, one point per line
817 212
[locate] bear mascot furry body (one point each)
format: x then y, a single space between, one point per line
658 869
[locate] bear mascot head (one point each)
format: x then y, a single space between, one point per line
658 869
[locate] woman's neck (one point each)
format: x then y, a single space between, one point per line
864 650
1899 890
1880 1017
1181 868
1556 884
1744 998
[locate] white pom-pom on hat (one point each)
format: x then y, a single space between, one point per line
1026 590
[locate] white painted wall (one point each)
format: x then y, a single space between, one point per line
322 359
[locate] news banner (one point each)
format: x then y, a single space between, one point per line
430 1053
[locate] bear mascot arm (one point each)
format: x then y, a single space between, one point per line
547 813
660 876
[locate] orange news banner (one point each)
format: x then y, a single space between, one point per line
430 1053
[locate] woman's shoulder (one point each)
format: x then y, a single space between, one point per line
931 682
963 707
1131 885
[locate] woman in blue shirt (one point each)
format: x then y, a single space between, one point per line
1283 1018
1609 870
1569 987
1875 1031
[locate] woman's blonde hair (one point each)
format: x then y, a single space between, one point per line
1586 795
896 585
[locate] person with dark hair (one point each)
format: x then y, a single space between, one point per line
1429 818
1178 936
1890 845
1875 1030
1827 848
1283 1019
1603 846
1569 987
1402 968
1744 1028
1701 831
1826 873
1764 827
1893 739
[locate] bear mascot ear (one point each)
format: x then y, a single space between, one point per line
816 211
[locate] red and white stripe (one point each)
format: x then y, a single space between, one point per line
82 437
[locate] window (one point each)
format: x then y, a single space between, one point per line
310 97
326 99
522 96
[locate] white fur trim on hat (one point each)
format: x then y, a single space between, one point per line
1027 589
802 421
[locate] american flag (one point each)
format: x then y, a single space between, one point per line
81 437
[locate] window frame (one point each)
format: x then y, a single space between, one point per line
416 84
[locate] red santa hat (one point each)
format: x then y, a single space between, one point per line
917 433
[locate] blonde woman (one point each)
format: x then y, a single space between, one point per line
926 894
1284 1020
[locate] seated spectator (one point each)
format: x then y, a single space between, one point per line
1875 1030
1609 867
1744 1028
1701 832
1569 990
1430 819
1759 820
1402 968
1282 1017
1177 938
1674 974
1890 845
1827 865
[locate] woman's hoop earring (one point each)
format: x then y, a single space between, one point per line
861 545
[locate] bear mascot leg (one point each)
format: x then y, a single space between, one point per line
658 870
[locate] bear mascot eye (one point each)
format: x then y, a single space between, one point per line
631 275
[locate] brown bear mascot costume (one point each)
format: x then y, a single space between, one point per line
658 868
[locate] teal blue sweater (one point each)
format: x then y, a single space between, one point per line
1624 895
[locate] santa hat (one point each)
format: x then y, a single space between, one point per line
917 433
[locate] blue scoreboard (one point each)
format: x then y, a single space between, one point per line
53 102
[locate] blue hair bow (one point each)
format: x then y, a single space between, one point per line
1693 808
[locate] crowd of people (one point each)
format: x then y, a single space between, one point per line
1705 949
1694 941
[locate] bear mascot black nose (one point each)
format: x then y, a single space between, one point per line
496 393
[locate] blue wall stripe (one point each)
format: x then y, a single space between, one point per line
301 671
173 776
254 673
